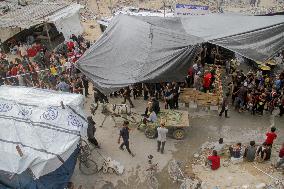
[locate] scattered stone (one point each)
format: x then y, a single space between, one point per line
237 160
226 164
196 155
229 185
260 186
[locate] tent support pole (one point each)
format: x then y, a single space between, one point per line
48 36
164 8
20 152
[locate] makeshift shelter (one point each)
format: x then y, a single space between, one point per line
153 49
38 138
64 16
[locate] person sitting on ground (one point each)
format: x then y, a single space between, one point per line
270 136
213 160
280 161
236 151
151 118
147 110
263 152
250 152
219 146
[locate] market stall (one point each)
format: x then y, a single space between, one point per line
175 120
212 98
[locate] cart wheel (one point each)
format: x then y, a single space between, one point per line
150 133
141 127
105 169
152 182
88 167
110 170
179 134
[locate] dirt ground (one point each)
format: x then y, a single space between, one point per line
102 8
205 126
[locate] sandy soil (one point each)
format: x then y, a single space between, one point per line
205 127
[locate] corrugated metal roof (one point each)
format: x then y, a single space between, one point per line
27 16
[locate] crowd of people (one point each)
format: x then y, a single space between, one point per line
168 92
238 152
254 91
37 66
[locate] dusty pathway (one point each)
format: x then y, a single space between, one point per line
204 127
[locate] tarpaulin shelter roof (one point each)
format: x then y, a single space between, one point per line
152 49
30 15
24 17
34 120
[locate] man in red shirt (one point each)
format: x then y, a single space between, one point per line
32 51
280 162
214 160
14 70
70 45
270 136
207 81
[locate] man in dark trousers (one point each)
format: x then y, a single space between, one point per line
124 134
86 85
91 132
126 96
225 105
99 96
162 137
176 92
155 105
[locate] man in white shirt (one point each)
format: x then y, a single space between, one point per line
219 146
162 136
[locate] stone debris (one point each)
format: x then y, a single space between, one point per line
226 163
235 167
260 186
207 145
190 183
196 155
275 185
237 160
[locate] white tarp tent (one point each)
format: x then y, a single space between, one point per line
65 17
67 20
34 120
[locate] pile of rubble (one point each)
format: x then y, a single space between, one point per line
261 10
201 157
265 170
86 13
276 185
192 183
175 173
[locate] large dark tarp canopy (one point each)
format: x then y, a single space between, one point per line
153 49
